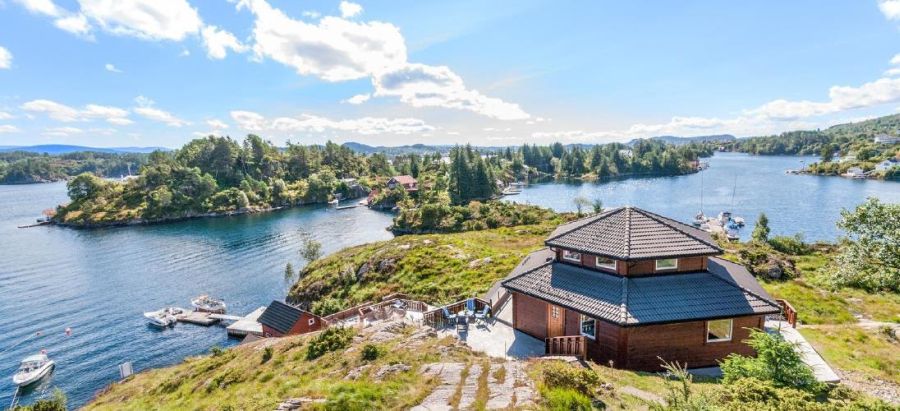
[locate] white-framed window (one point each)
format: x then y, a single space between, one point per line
588 327
554 312
571 255
667 264
719 330
607 263
312 321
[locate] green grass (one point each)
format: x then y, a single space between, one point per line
237 378
814 305
438 268
853 348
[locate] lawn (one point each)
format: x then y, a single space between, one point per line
852 348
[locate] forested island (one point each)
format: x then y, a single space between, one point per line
839 147
220 176
23 167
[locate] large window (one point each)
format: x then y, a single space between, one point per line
718 330
607 263
667 264
571 256
588 327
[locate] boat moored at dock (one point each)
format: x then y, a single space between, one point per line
209 304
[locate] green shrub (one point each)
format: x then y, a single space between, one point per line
558 374
566 399
327 306
370 352
332 339
216 351
776 361
55 403
790 245
267 354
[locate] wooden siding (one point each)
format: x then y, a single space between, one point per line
530 315
685 343
637 268
301 326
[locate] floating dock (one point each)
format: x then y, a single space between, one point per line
247 325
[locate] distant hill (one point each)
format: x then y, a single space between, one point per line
867 128
675 140
64 149
407 149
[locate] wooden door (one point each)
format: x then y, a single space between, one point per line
556 321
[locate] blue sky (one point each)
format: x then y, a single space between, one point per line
152 73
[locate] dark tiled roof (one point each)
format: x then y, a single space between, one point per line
280 316
645 300
630 233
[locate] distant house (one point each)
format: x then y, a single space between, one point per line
855 172
887 164
626 153
282 319
887 139
631 287
407 182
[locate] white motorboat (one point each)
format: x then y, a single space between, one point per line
162 318
33 368
739 221
699 219
208 304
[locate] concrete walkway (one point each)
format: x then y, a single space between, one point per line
821 369
513 391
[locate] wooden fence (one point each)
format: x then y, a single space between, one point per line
435 318
379 310
565 345
788 311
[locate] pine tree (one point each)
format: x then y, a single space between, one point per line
761 231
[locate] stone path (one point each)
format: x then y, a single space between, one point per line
515 390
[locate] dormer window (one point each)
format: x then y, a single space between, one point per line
606 263
571 256
667 264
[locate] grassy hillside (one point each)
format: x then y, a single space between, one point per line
437 268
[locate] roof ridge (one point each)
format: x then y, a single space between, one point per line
504 281
738 286
596 217
666 221
623 308
627 252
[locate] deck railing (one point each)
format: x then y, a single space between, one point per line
565 345
788 311
379 310
435 318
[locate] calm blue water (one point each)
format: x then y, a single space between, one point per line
100 282
793 203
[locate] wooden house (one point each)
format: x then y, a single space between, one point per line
280 319
627 287
407 182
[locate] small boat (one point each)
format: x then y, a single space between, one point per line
738 221
43 219
699 219
333 202
208 304
732 235
162 318
724 217
32 369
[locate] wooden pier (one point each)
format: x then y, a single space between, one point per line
197 318
247 325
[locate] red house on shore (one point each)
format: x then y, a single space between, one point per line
629 286
407 182
280 319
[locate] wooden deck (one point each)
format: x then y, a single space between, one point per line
197 318
247 325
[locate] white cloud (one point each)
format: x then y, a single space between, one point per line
218 41
62 112
312 14
5 58
421 85
336 49
890 8
146 19
75 23
62 131
45 7
841 98
255 122
349 9
162 116
358 99
111 68
217 124
333 49
5 116
8 128
891 72
184 52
